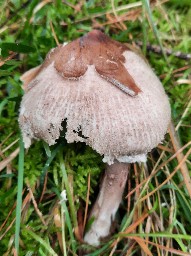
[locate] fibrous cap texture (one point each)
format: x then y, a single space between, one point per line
115 124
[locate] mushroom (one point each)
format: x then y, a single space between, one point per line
110 99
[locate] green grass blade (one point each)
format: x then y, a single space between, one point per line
68 221
47 149
42 242
63 230
48 162
186 206
157 235
101 250
69 225
2 105
69 195
144 29
146 4
19 195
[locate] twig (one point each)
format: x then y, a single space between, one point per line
168 52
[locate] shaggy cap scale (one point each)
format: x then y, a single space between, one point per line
115 124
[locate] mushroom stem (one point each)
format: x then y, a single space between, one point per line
107 203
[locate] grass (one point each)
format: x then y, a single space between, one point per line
154 217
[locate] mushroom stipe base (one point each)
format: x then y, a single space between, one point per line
107 203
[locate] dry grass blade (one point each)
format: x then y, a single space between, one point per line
143 246
87 201
133 226
128 230
122 25
10 145
10 134
36 206
9 214
170 176
40 5
129 251
179 124
7 160
117 9
184 81
164 148
177 71
130 16
58 224
180 156
171 250
114 248
25 201
54 34
5 221
44 187
11 56
156 169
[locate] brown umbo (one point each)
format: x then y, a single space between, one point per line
95 49
110 99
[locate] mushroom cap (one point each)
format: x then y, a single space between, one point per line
115 124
